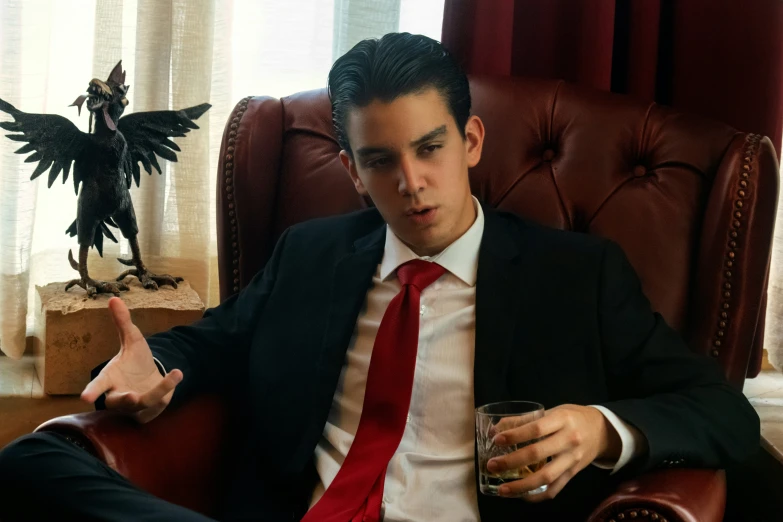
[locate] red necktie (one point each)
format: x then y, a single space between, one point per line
355 494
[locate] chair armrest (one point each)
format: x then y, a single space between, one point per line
176 457
673 495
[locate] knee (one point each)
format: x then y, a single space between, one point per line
27 457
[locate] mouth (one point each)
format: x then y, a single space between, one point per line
98 94
418 210
421 215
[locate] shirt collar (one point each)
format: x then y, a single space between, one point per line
460 258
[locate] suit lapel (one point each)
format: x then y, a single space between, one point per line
352 279
350 283
499 294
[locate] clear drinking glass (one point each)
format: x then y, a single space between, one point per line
492 419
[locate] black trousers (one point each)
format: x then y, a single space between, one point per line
45 477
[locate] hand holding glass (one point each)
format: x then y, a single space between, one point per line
492 419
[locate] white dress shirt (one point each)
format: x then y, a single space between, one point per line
431 476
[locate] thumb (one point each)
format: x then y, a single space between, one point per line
122 320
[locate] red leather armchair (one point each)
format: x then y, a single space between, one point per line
691 201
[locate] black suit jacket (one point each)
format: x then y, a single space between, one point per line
560 318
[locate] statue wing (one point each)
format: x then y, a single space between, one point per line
148 133
54 141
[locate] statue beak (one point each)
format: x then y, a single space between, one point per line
78 102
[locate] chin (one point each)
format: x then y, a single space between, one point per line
427 245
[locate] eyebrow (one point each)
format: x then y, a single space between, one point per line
431 135
367 151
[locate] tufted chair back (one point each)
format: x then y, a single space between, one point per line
691 201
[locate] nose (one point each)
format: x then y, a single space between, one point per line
411 177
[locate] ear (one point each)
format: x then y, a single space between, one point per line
117 74
474 140
350 166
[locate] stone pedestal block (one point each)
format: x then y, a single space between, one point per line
74 333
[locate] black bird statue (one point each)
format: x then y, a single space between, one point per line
105 162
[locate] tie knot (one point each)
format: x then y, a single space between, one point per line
419 273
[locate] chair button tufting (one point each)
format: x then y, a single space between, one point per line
549 154
639 171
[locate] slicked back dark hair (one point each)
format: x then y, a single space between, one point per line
395 65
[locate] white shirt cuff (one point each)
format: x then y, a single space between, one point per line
631 441
160 366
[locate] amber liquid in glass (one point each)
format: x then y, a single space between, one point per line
491 482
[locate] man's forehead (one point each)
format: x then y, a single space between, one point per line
403 120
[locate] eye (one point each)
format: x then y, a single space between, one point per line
383 161
432 147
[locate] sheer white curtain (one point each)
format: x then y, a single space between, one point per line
177 53
773 330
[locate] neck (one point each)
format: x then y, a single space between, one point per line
100 123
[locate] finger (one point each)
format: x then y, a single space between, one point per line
132 402
531 431
95 388
122 321
549 474
507 423
127 402
554 488
533 454
155 396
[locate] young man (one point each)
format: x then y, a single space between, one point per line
361 350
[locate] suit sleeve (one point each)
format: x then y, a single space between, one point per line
212 352
691 416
